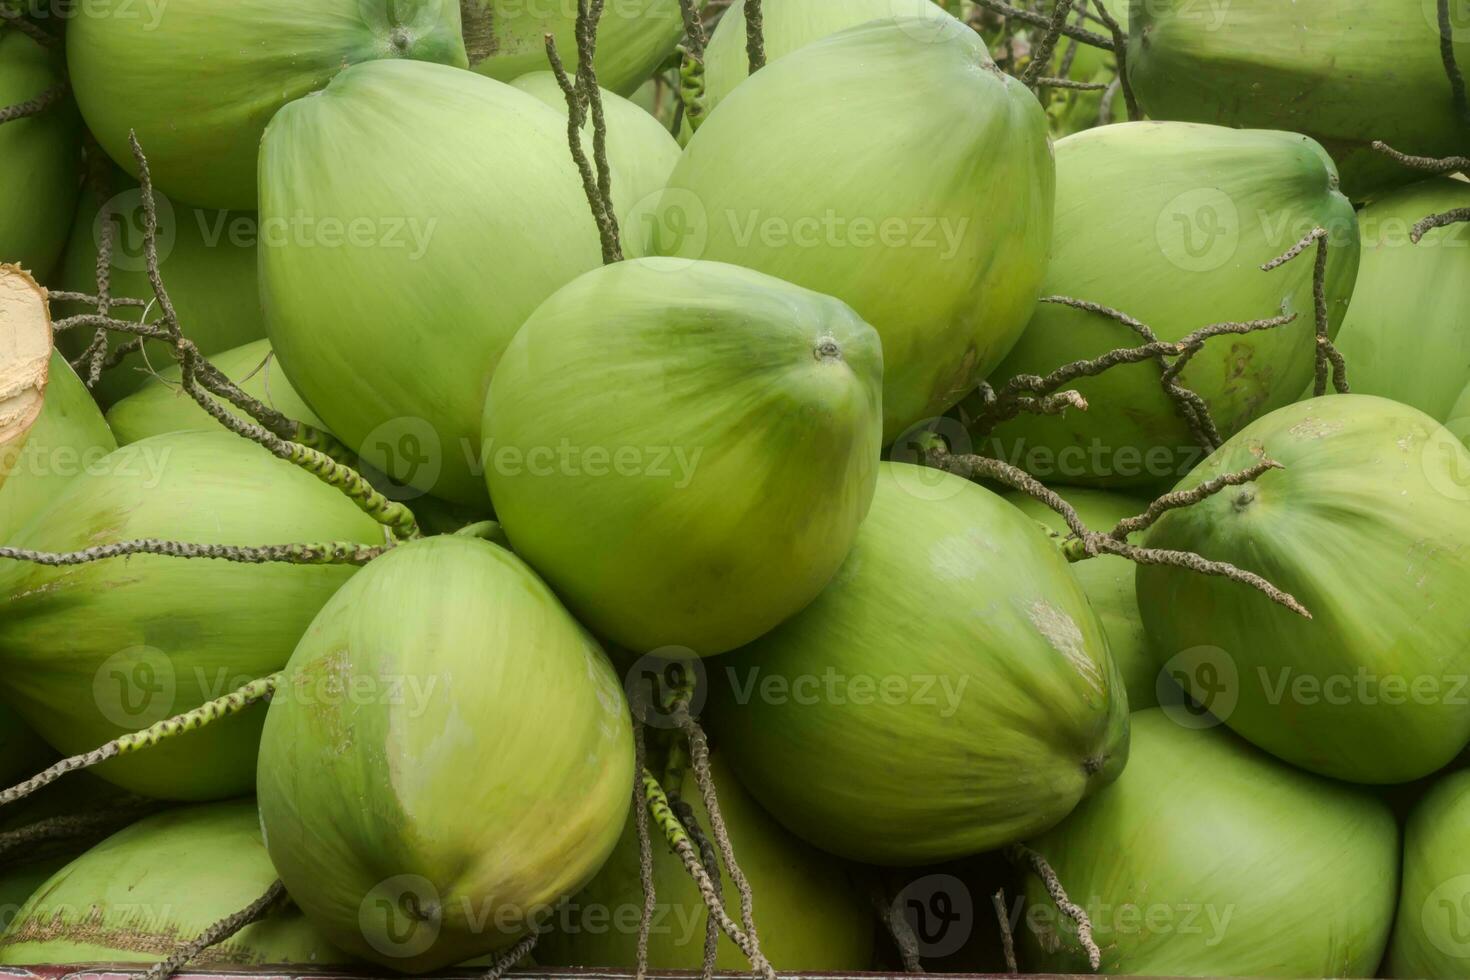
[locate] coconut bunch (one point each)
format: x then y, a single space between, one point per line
873 500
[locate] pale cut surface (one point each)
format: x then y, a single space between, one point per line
25 353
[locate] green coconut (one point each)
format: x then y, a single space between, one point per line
93 651
198 80
1367 525
949 693
1406 336
1346 72
20 881
143 892
1210 858
788 25
1170 222
1108 582
811 915
68 438
507 38
206 258
449 755
42 155
1429 936
641 153
161 406
392 335
788 178
653 508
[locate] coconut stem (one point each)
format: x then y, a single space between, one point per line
218 932
1330 362
1049 82
1434 221
1433 165
898 927
78 826
329 553
506 961
584 95
699 763
678 839
1451 68
1119 46
1038 20
691 66
1023 855
1007 940
755 35
1041 57
35 32
192 720
645 846
1086 543
36 106
711 859
1188 498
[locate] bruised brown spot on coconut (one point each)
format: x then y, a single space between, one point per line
1065 636
477 25
25 358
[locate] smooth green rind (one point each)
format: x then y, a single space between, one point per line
141 893
1170 223
812 917
68 438
445 730
208 76
640 151
1407 334
1108 582
1209 858
949 693
507 38
714 484
207 261
93 651
1368 527
789 25
392 337
160 406
42 155
1429 938
787 178
1346 72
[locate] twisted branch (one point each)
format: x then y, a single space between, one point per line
1037 20
1432 165
1086 543
36 106
692 99
331 553
192 720
1451 69
1120 59
755 41
1023 855
1041 57
1330 361
1007 940
583 95
223 929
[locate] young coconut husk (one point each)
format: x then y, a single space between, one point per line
25 357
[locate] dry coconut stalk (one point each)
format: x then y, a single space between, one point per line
25 359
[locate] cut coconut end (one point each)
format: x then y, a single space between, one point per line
25 357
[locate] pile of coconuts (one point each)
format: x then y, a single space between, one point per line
745 486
